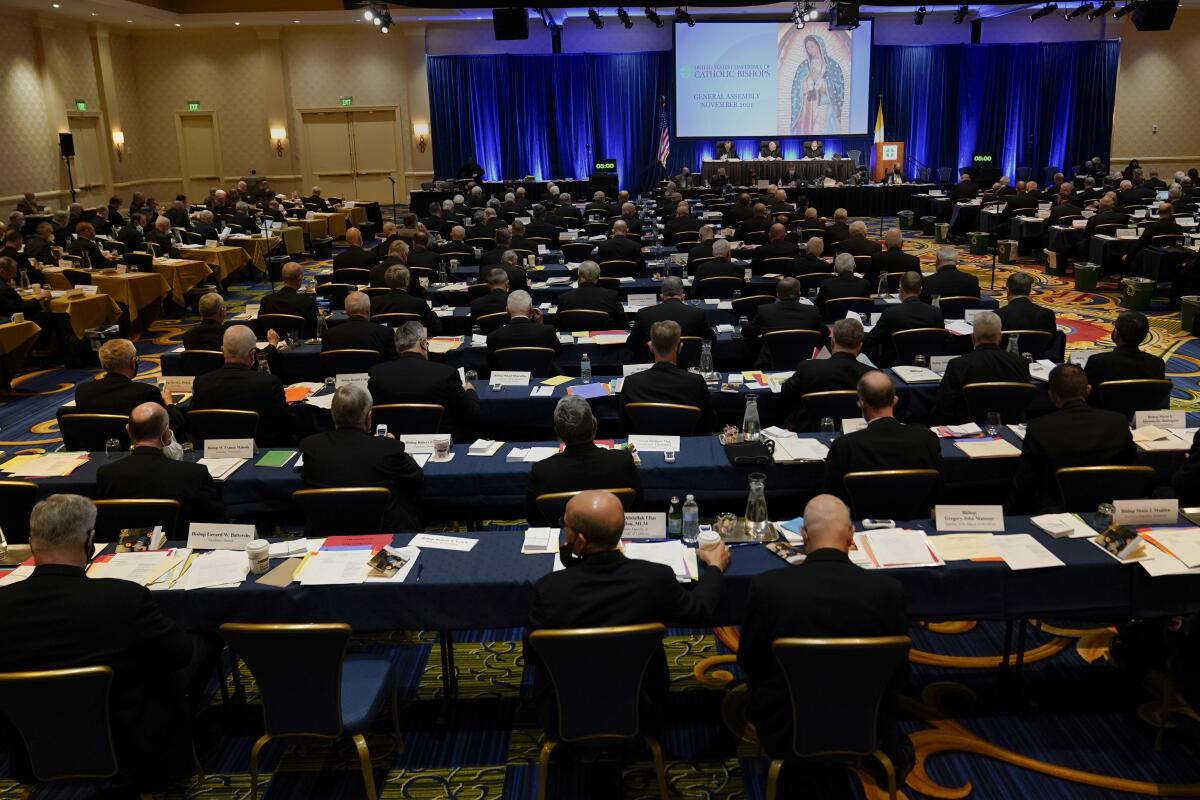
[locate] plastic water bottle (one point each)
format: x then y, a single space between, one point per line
264 366
883 284
25 280
691 521
674 520
937 301
585 369
1013 345
751 426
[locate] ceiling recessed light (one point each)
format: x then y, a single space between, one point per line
55 5
237 23
93 13
295 22
177 25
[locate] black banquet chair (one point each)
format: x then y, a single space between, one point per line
351 510
893 493
17 499
1085 488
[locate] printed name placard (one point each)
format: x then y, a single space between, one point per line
1163 419
984 519
219 536
852 424
416 443
1146 512
178 384
654 444
348 378
509 378
939 363
229 448
645 525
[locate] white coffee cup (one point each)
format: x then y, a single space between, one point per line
441 447
709 540
18 317
258 552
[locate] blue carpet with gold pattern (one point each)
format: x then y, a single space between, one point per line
1071 726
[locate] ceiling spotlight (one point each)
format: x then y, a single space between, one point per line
1078 11
919 16
1044 11
369 14
682 15
377 20
596 19
1103 9
623 15
384 21
961 14
1123 10
653 16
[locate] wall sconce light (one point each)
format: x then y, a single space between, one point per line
279 134
119 141
421 131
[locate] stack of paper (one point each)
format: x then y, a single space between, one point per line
681 560
589 391
1021 551
1182 543
216 569
987 448
540 540
140 568
17 574
800 449
1152 438
293 547
964 546
1040 369
444 344
221 468
334 566
896 548
48 465
916 374
1018 431
484 447
320 401
957 431
1064 526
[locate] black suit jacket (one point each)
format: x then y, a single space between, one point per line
131 237
885 443
751 225
205 335
1022 314
1162 227
114 394
88 247
542 230
621 248
244 221
37 251
236 387
11 303
965 190
289 301
778 249
146 472
669 383
578 467
912 313
354 257
859 246
1125 362
1074 436
702 250
178 218
60 619
1023 202
893 259
843 285
164 243
595 298
495 301
605 589
825 596
355 458
715 269
522 332
836 232
681 225
206 231
413 379
950 282
838 372
1106 218
357 333
692 322
395 302
1064 210
987 362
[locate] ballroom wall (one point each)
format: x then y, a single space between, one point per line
252 79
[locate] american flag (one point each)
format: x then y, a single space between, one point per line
664 134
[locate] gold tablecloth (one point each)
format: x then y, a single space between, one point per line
357 215
336 220
87 311
16 334
181 275
293 239
257 247
134 290
224 260
315 227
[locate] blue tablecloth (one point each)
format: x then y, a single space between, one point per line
492 587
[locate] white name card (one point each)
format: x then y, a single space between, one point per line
939 363
642 300
970 314
509 378
229 448
654 444
852 424
633 369
178 384
1146 512
414 443
985 519
645 525
219 536
348 378
1162 419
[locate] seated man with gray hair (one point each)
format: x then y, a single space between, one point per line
721 266
949 280
117 391
986 363
413 378
208 332
238 385
810 260
358 332
692 321
844 283
590 296
581 464
399 301
786 313
524 328
161 238
510 262
857 244
350 455
397 253
59 618
1021 313
839 372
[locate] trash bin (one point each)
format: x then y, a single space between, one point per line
942 230
905 219
979 242
275 267
927 224
1086 276
1006 250
1189 306
367 229
1136 293
322 247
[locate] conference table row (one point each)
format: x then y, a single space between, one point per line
475 485
859 201
492 586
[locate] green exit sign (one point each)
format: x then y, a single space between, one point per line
193 105
347 102
81 105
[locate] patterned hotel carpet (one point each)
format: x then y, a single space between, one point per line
1078 733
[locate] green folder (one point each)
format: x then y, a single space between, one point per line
275 458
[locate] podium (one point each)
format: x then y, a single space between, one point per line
886 155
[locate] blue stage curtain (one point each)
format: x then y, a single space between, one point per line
1032 105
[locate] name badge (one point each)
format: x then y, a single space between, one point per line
1162 418
645 525
1146 512
984 519
219 536
229 448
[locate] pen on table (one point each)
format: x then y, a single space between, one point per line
420 568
